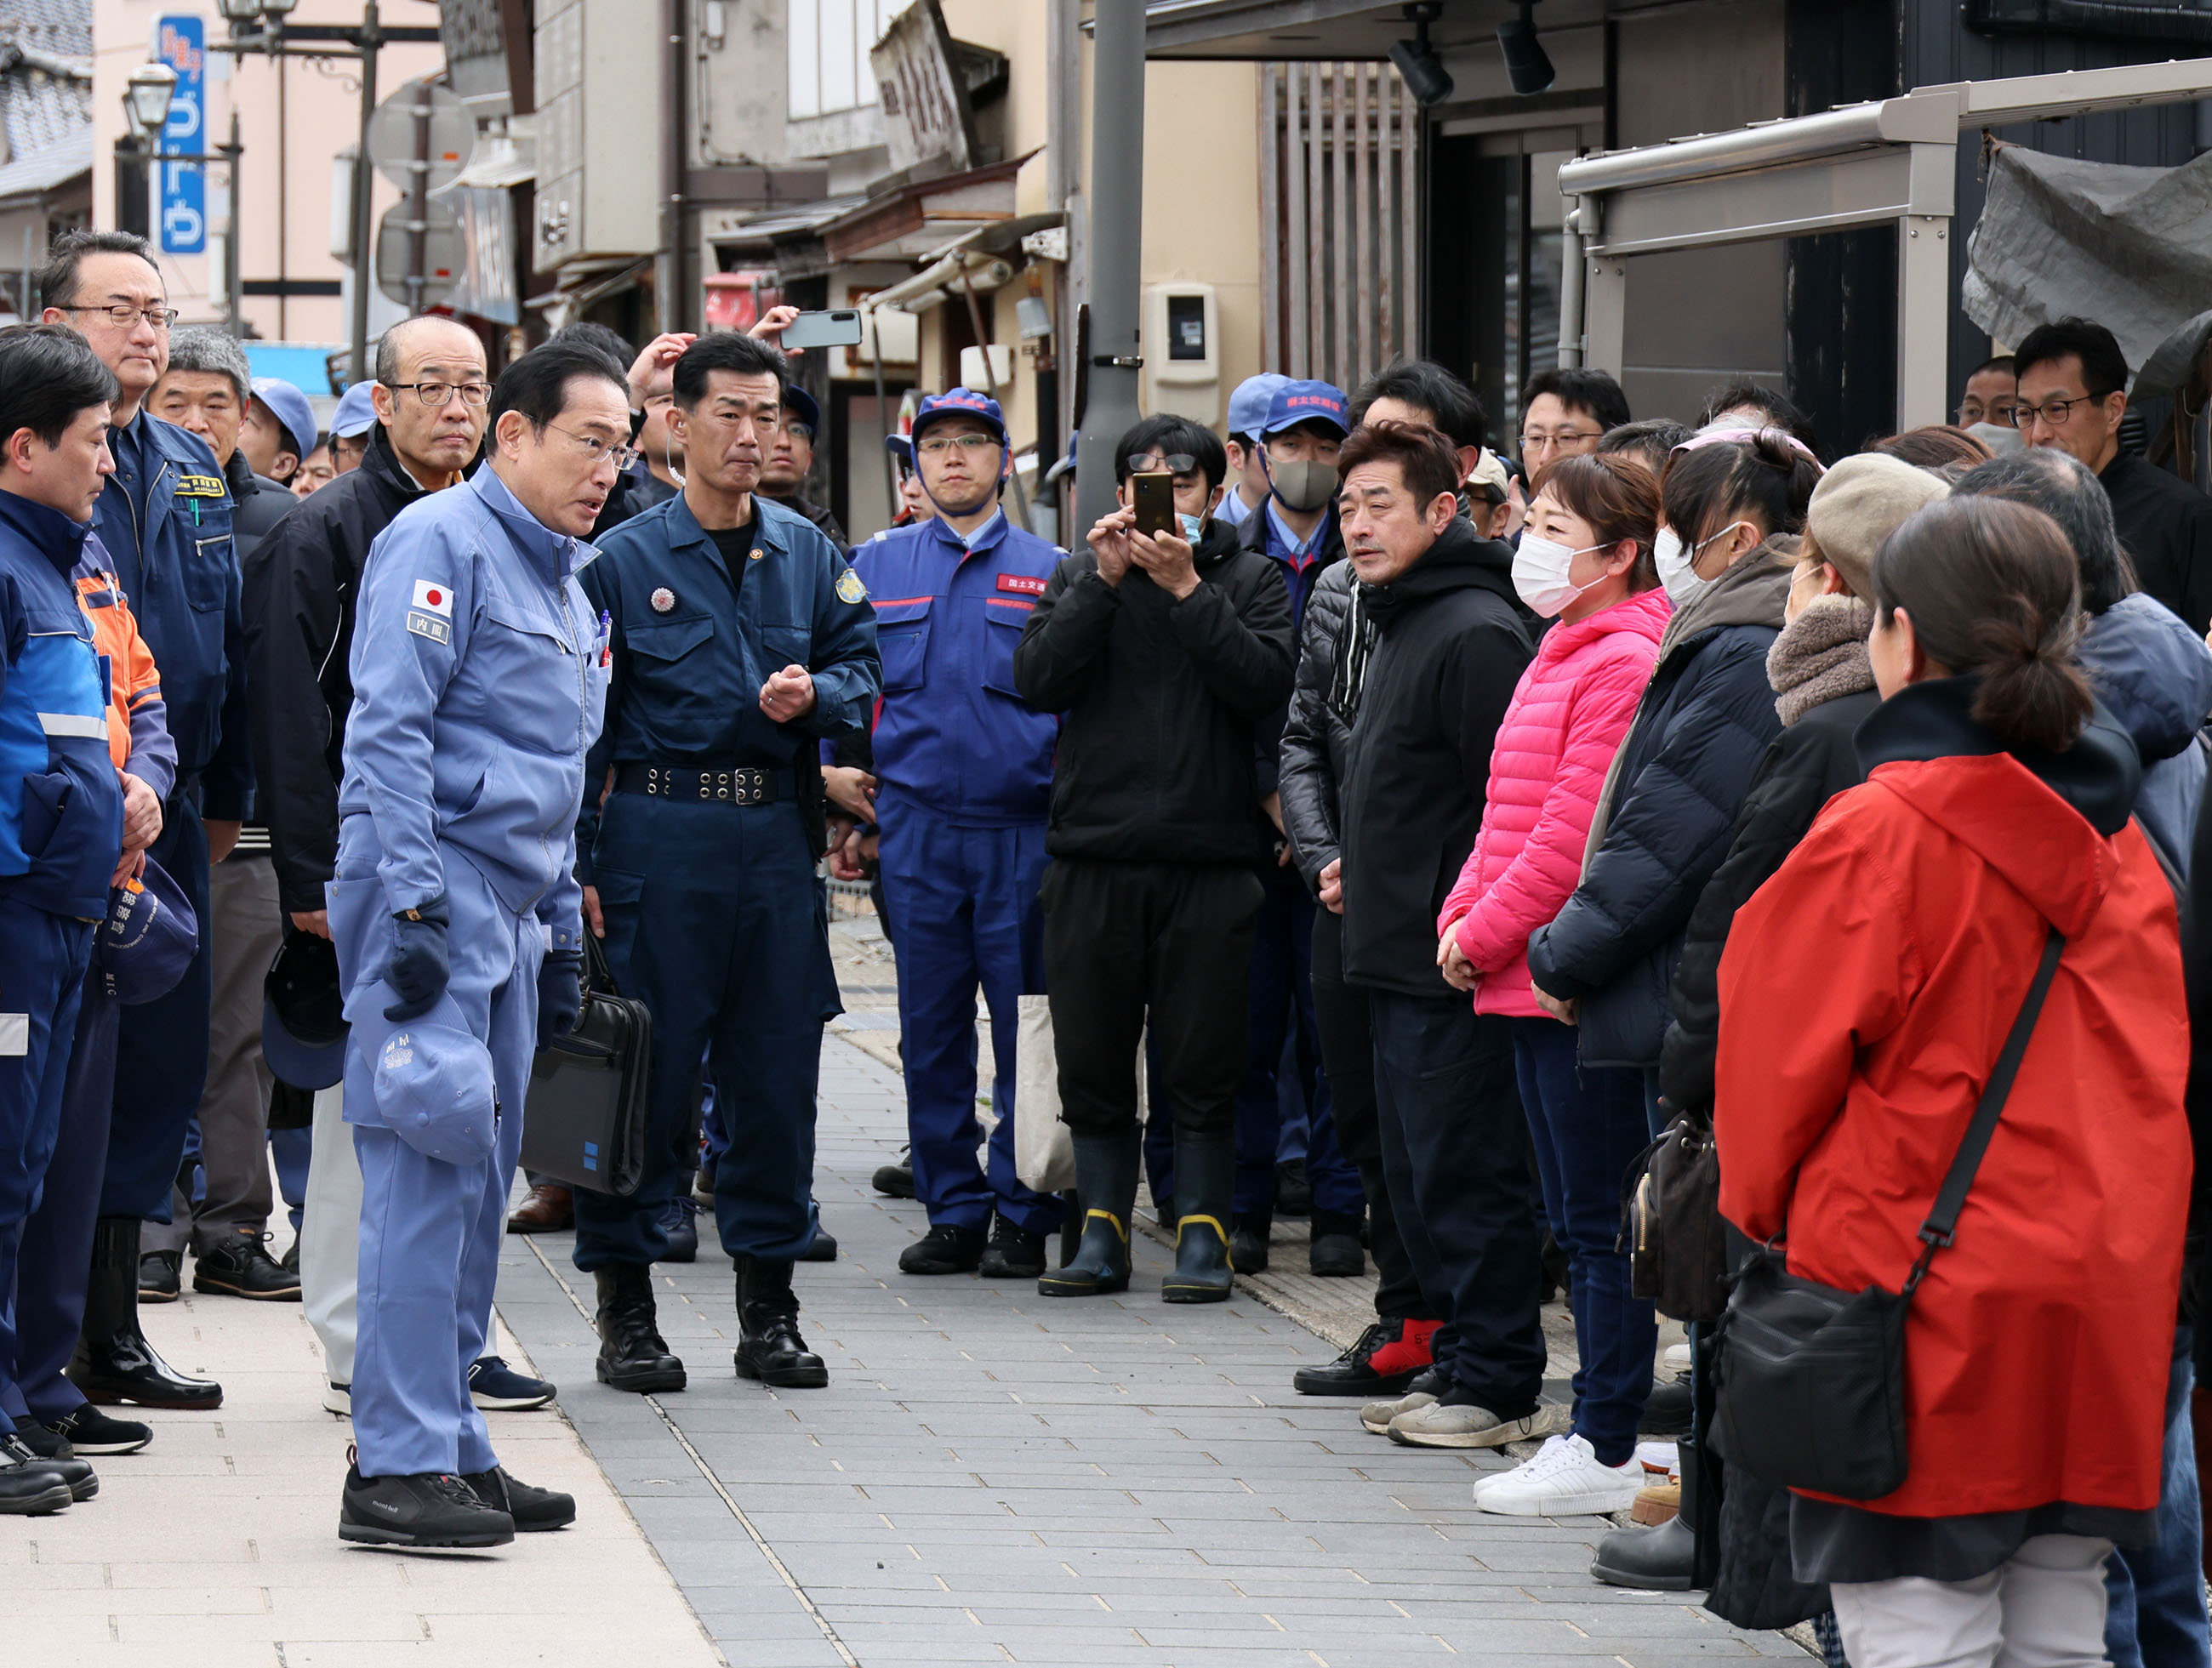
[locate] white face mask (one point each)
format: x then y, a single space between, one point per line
1677 566
1540 566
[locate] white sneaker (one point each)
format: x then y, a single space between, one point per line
339 1399
1563 1480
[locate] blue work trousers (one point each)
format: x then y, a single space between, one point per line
41 982
430 1230
1588 1126
964 911
1281 986
715 921
162 1051
2154 1614
54 1268
1453 1158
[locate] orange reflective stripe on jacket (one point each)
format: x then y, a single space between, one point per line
133 679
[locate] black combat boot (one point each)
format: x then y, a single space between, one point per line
1106 1192
113 1360
1205 1179
769 1348
633 1356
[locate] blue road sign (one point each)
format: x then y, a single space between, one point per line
182 44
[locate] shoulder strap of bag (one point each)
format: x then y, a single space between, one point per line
1943 1220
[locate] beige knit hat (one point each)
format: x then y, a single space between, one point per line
1861 503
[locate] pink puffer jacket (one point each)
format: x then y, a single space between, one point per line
1569 716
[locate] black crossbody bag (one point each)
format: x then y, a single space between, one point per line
584 1125
1810 1381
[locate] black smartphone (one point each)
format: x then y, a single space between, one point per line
1152 494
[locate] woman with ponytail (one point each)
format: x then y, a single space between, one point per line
1865 994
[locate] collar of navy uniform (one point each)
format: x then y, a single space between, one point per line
560 552
1289 543
981 539
51 534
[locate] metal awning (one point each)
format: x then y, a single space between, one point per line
1273 31
1893 162
914 221
978 261
765 226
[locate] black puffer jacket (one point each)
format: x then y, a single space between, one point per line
1669 813
1316 736
1449 650
302 584
1155 761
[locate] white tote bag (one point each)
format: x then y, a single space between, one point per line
1044 1152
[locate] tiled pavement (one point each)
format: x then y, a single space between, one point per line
994 1477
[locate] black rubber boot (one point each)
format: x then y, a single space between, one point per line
633 1356
113 1360
1205 1178
769 1347
1106 1189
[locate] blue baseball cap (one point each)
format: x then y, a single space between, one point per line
1295 402
356 413
960 403
801 405
303 1026
1248 406
901 446
1065 465
150 938
433 1087
290 409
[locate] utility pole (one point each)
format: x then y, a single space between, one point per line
364 182
1116 252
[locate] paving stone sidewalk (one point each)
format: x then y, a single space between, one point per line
996 1476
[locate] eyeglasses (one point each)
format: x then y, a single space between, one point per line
600 451
437 393
937 445
1566 436
2054 412
1151 463
123 315
2004 412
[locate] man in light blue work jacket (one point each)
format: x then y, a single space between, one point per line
477 689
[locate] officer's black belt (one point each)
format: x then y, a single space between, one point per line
736 784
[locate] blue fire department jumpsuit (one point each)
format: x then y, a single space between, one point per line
165 518
61 834
477 693
713 916
963 767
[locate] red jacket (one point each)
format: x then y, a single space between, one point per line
1547 769
1865 993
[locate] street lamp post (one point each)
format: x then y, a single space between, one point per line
259 25
227 153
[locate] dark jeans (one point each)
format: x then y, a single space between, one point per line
1282 986
1125 940
2154 1615
1453 1157
1347 1052
1588 1126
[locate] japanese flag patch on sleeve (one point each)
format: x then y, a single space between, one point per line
430 613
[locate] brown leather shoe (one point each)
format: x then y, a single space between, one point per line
549 1209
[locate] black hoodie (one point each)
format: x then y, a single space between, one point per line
1449 648
1159 697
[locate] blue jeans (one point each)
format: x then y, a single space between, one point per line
1589 1124
2155 1611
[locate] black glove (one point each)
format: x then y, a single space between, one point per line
419 966
560 994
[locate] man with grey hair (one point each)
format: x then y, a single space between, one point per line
2154 674
206 388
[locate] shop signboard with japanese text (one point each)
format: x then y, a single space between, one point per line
180 42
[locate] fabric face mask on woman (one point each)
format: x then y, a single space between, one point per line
1678 567
1540 567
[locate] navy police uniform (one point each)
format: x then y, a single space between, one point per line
963 767
704 858
61 834
165 518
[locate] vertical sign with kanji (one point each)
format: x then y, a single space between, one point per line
180 42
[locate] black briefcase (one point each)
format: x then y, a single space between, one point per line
584 1125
